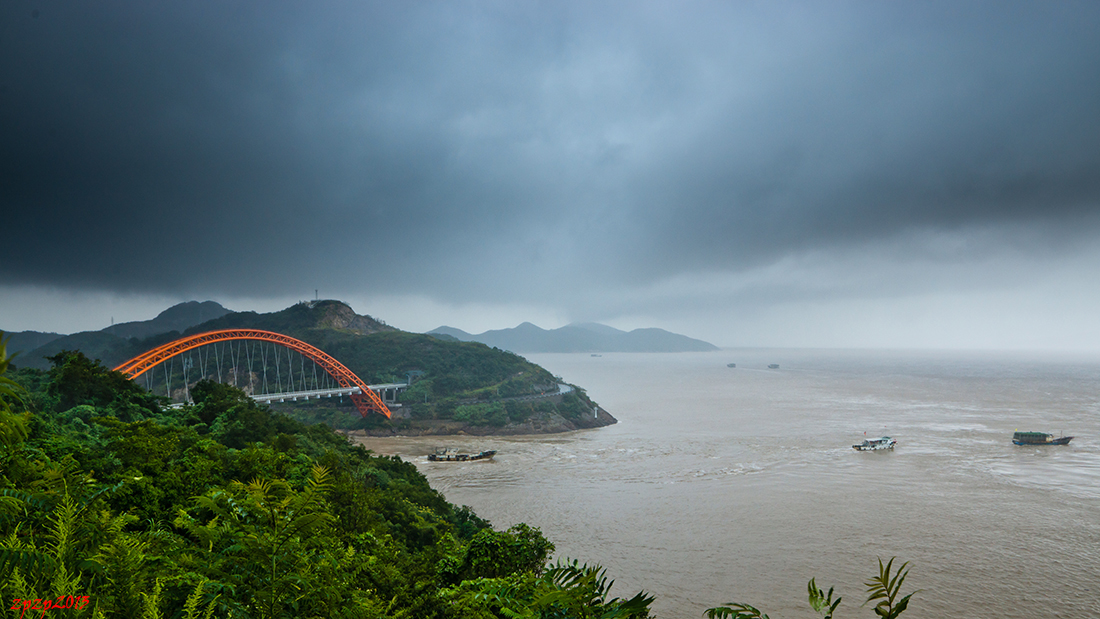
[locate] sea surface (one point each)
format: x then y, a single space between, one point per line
739 484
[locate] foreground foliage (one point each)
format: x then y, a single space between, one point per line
225 509
884 588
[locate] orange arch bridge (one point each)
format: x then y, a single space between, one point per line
366 400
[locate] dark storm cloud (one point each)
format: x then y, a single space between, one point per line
895 122
479 150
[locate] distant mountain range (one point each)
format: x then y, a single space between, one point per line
579 337
178 318
22 341
35 346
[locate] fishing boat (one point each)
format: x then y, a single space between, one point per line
1039 438
875 444
452 455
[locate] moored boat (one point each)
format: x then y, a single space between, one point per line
875 444
1039 438
452 455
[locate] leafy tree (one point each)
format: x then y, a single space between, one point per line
76 379
213 399
495 554
236 420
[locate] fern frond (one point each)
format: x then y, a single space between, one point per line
151 603
191 606
26 559
28 499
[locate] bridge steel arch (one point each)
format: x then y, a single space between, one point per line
366 401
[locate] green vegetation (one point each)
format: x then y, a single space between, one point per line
448 376
226 509
884 588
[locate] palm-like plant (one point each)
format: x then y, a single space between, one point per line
821 602
882 587
886 589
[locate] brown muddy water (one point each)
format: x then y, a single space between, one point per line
740 484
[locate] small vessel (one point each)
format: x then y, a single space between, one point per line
773 366
452 455
595 355
731 365
1039 438
875 444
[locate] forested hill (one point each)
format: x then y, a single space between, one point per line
461 386
176 318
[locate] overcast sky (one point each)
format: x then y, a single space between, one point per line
883 174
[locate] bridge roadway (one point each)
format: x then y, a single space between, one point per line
382 390
316 394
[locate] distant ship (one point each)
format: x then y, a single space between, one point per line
731 365
773 366
1039 438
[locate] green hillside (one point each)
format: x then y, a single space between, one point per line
458 386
